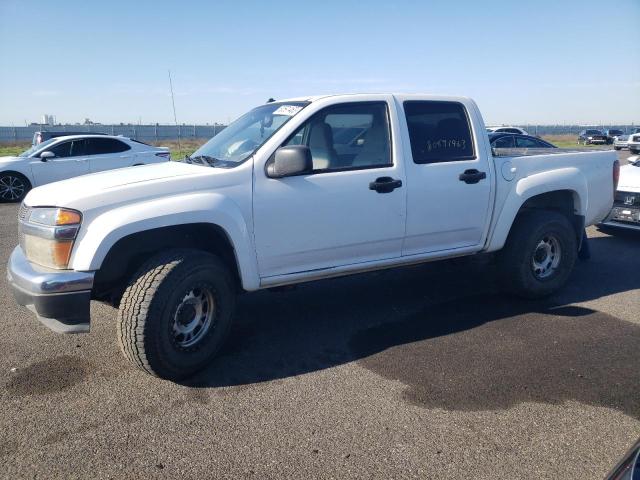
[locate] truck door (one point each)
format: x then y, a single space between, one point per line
349 210
448 178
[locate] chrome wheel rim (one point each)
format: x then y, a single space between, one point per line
11 188
193 317
546 257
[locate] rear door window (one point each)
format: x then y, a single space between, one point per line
102 146
438 131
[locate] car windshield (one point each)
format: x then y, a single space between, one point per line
594 132
35 148
239 140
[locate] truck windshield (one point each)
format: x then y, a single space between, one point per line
249 132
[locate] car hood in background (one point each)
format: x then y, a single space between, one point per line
66 192
10 159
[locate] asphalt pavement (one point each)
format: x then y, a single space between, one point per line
421 372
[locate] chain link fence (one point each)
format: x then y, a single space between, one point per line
144 133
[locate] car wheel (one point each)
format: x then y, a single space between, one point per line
617 148
176 313
539 255
13 187
634 151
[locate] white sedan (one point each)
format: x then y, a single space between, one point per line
70 156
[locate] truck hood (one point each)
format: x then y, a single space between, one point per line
629 178
111 184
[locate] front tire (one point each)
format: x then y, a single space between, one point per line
539 255
617 148
176 313
13 187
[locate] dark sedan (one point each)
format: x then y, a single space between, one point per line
592 136
510 140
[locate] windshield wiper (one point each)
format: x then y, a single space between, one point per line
204 158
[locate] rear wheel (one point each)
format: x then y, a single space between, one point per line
634 151
13 187
539 254
175 313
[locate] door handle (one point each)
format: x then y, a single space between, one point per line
385 184
472 176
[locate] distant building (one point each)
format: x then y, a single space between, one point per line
48 119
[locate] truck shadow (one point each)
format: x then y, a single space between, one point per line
446 332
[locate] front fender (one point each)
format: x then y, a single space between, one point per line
566 179
98 236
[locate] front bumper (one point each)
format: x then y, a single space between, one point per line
59 298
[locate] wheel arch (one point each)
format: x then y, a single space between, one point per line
205 221
130 252
563 190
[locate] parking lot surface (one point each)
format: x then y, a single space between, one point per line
423 372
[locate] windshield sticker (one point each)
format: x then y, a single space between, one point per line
289 110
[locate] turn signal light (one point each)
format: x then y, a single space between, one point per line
67 217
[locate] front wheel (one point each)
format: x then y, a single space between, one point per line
539 254
617 148
175 313
13 187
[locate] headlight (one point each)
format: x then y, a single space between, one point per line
47 235
589 138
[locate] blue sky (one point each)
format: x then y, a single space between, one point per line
523 62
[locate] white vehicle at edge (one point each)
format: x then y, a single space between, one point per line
70 156
506 129
286 194
633 142
626 206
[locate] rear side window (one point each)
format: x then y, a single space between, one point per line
438 131
504 142
101 146
524 142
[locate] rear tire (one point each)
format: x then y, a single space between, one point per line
176 313
539 254
13 187
634 151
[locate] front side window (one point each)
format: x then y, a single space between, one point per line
61 150
438 131
244 136
347 136
524 142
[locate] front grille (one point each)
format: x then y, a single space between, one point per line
627 199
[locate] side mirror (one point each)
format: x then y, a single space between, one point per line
44 156
289 161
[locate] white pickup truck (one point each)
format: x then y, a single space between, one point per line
294 191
